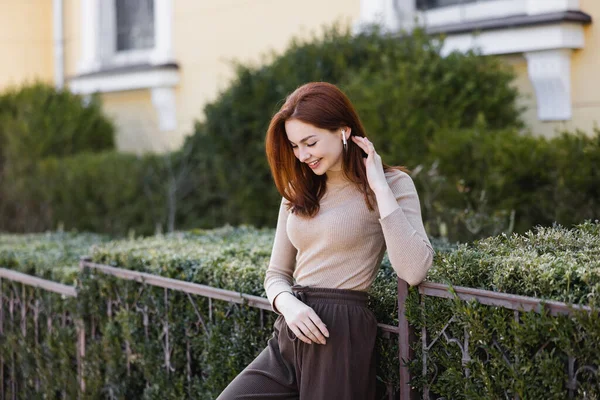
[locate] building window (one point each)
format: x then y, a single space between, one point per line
134 24
431 4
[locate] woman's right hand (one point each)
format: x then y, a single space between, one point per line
301 319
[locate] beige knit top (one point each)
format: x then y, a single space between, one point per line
343 244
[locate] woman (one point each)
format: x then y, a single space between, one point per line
341 208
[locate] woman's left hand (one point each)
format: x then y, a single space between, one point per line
373 164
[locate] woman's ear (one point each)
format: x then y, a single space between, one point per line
347 131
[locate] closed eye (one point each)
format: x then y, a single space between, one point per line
309 145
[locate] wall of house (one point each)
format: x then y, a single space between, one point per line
585 85
585 69
25 42
135 117
72 32
209 34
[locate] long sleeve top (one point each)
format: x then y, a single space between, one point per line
343 244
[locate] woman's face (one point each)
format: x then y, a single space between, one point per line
319 148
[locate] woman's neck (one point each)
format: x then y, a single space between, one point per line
336 177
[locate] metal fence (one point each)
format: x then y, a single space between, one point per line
21 301
28 297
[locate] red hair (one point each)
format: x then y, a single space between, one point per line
324 106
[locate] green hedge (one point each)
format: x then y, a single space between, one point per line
452 120
402 87
526 357
38 121
51 255
474 179
110 192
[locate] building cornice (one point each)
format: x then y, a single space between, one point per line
131 77
512 22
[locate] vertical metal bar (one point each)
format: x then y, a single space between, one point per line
262 318
167 349
36 316
23 311
516 316
80 324
466 357
404 338
572 384
23 315
146 323
13 380
188 354
424 348
127 344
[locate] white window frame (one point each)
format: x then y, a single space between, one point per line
98 69
99 53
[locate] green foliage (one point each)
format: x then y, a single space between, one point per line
452 120
552 263
108 192
479 183
385 76
409 92
38 121
51 255
130 355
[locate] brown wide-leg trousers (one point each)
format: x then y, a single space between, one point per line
288 368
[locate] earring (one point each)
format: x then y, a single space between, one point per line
344 140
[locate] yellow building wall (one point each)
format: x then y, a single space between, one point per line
72 33
136 120
585 85
209 34
25 42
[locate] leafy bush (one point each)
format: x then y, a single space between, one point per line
409 92
128 351
109 192
481 183
402 87
36 122
51 255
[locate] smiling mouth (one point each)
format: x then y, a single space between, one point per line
314 163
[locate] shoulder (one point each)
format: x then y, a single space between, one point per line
397 177
400 182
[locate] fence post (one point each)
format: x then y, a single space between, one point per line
405 338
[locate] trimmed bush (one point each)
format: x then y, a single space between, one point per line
51 255
129 354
